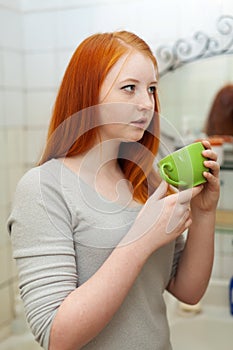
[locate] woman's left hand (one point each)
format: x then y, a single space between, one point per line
207 199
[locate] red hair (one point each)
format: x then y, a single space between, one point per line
79 90
220 118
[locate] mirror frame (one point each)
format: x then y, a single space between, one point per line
200 46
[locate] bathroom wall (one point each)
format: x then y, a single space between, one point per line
37 38
12 111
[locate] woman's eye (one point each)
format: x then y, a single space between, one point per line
152 89
128 88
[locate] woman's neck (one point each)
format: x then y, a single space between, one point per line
101 159
99 168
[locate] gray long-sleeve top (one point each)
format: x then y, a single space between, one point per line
62 231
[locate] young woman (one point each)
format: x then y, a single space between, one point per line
96 235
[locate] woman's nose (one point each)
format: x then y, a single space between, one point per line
146 101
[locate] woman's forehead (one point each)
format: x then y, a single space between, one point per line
132 65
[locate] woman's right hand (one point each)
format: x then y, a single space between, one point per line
163 218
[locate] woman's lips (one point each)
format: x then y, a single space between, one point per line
140 123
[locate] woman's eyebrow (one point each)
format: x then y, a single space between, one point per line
129 79
136 81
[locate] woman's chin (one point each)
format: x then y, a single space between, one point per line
134 137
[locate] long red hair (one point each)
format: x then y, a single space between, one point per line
73 129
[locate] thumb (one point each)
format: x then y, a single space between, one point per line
196 190
161 190
186 195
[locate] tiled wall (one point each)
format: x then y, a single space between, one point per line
11 154
223 260
37 38
223 263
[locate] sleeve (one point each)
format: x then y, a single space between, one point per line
42 242
179 246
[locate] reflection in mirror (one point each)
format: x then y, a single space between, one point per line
186 94
220 118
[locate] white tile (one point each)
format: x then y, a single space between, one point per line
226 190
116 16
14 108
227 6
35 144
217 293
1 68
218 243
15 286
3 263
4 235
40 70
39 105
5 331
2 109
11 4
222 187
73 26
3 187
10 29
219 262
63 4
15 145
6 314
3 147
13 68
193 19
227 267
11 263
14 175
136 16
40 30
29 5
216 270
227 244
61 62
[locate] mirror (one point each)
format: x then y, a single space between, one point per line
191 73
186 94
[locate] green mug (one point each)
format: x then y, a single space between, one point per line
184 168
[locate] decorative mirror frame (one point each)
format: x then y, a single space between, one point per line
200 46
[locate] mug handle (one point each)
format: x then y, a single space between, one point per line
167 179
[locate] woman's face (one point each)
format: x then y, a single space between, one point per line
126 102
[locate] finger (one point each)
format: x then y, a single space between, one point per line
186 195
211 178
206 144
196 190
213 166
187 214
161 191
210 154
188 223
